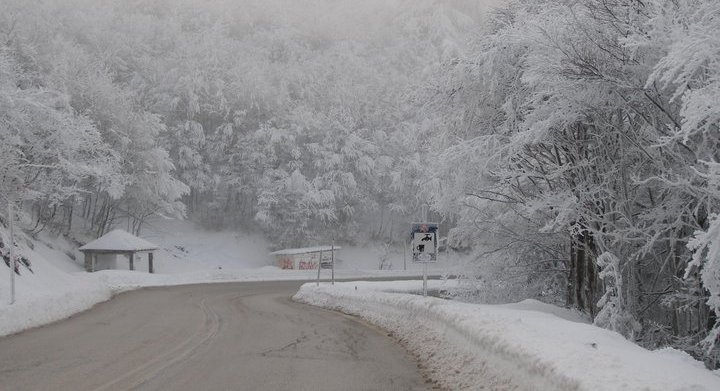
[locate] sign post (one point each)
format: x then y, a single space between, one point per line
424 279
11 247
424 246
319 267
405 246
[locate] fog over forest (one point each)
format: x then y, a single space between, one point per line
568 148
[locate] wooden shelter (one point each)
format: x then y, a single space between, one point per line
306 258
117 242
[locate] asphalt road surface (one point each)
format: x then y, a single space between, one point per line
235 336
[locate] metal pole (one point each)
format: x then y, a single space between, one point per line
424 220
319 267
405 247
11 245
425 278
332 259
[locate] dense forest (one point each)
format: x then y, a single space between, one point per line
569 148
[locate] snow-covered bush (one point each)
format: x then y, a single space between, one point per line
706 260
613 313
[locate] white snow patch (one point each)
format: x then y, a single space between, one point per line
535 305
49 293
523 346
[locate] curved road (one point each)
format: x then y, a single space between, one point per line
234 336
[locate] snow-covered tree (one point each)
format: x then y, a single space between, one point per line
706 263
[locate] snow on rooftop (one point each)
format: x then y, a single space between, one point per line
119 240
304 250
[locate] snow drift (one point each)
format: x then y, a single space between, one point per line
469 346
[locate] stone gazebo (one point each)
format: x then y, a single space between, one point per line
102 253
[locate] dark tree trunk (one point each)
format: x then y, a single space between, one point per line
583 281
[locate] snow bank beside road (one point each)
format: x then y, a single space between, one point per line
41 309
467 346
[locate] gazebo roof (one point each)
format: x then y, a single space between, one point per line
118 241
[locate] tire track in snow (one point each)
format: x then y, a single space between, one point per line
146 372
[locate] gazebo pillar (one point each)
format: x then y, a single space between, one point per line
150 263
89 267
132 261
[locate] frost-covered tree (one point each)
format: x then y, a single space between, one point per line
706 263
50 153
581 122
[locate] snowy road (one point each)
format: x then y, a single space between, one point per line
236 336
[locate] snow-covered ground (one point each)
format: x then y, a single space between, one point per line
58 286
527 345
